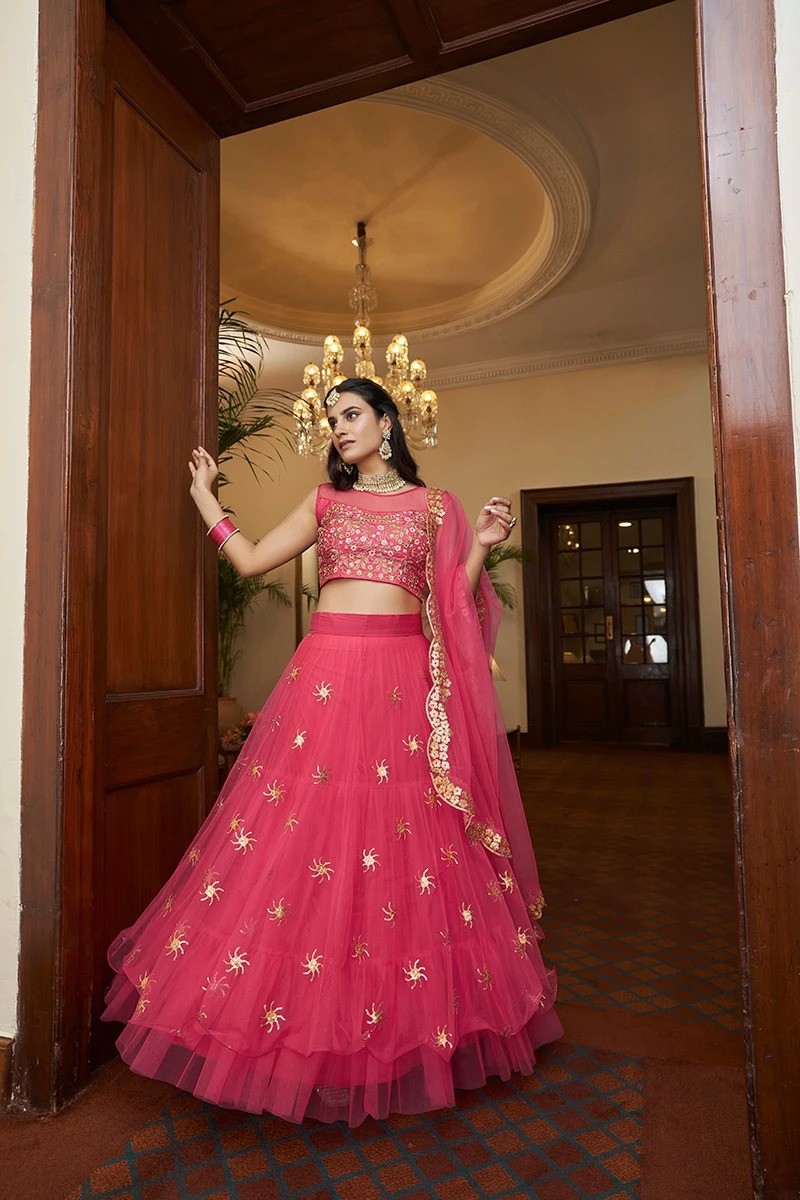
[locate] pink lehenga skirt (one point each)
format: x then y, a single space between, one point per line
332 944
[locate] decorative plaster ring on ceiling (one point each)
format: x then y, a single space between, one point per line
566 224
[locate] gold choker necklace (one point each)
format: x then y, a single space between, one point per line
385 483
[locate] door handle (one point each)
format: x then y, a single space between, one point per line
609 628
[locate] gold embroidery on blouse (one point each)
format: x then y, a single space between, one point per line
235 823
395 695
370 860
402 829
535 907
194 855
412 743
436 703
415 973
381 770
442 1038
389 547
321 775
293 673
299 739
507 880
323 692
272 1016
431 799
494 890
167 906
390 914
290 823
255 770
466 913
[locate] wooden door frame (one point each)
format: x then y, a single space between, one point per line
535 505
754 442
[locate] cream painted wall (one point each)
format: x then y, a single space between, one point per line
633 422
18 103
787 38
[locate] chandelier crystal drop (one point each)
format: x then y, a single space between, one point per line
404 379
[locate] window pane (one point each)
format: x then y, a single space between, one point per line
630 561
595 651
572 650
570 622
653 532
593 592
628 533
568 565
631 620
590 535
568 537
570 594
630 591
591 563
653 559
594 623
633 650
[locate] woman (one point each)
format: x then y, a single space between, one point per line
354 930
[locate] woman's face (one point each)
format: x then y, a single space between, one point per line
356 429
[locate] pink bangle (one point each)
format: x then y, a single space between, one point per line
220 532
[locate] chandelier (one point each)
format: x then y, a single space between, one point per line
404 379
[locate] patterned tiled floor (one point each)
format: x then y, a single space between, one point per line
572 1131
636 857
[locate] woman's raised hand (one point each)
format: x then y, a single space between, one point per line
204 471
495 522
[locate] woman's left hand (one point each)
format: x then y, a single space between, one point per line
495 522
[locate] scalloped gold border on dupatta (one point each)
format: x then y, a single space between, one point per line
436 703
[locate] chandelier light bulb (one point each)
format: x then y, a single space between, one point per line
402 379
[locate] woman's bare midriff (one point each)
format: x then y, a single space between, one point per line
366 596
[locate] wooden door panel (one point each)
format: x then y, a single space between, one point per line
152 736
157 775
155 407
140 843
585 711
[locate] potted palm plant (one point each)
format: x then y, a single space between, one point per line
250 429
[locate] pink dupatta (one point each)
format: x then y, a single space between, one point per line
468 753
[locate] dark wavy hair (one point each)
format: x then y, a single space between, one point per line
380 402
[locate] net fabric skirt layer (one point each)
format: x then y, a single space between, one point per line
332 944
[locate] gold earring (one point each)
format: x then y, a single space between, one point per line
385 450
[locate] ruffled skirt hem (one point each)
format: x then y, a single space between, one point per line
323 1085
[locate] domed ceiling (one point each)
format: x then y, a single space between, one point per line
523 211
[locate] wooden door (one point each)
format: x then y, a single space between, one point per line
615 623
157 640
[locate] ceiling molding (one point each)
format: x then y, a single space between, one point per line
523 367
555 250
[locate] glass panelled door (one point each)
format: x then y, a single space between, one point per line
613 635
